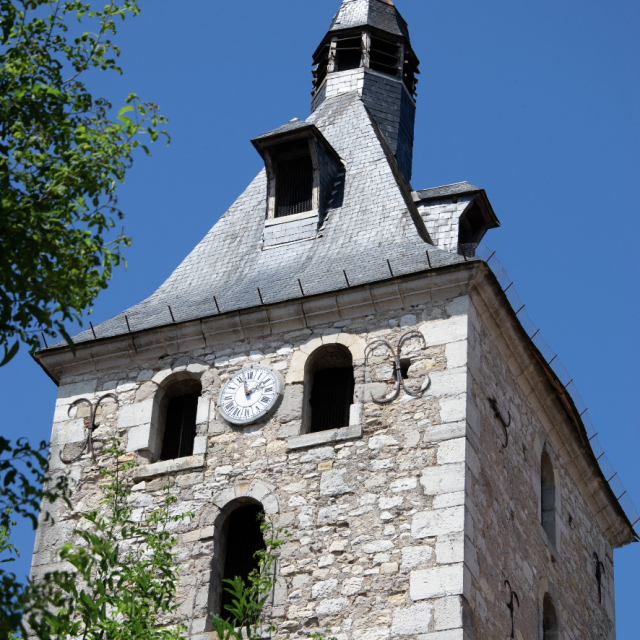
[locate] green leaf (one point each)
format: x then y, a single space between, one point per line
10 353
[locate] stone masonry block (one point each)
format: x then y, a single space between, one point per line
291 408
447 431
309 347
142 438
448 383
453 408
415 619
427 524
200 445
202 415
452 451
448 478
439 332
450 548
448 613
68 432
454 634
437 582
168 466
334 483
456 353
132 415
356 413
69 393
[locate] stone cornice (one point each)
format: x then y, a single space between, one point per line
257 322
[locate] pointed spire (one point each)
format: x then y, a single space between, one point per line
380 14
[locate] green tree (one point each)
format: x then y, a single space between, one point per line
126 575
24 489
61 158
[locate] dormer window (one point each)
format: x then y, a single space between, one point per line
294 178
304 175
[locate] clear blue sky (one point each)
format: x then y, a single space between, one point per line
538 103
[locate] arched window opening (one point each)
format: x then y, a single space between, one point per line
331 385
243 539
549 620
294 178
548 498
179 409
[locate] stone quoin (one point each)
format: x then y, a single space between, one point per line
408 517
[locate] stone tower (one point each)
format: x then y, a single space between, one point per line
423 454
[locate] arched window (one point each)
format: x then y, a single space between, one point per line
548 498
549 619
330 387
178 419
242 539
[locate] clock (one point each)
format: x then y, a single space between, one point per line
249 395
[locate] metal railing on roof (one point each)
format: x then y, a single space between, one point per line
489 257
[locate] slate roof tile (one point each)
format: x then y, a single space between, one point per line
372 225
374 13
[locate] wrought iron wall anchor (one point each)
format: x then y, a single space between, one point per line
599 572
372 346
90 425
498 415
511 607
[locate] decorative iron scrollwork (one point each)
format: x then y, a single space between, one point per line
375 344
90 425
498 415
511 607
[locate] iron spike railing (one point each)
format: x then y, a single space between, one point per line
489 257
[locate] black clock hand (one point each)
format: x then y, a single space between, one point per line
258 386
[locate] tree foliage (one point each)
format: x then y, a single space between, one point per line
24 490
126 575
61 158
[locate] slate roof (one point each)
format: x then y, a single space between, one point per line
371 224
292 125
381 14
447 190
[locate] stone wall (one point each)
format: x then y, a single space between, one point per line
375 511
506 540
404 524
442 218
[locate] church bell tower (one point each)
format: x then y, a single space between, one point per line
368 50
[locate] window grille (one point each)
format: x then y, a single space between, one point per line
385 56
244 538
331 398
180 427
294 186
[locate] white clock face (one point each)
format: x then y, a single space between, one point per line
249 395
